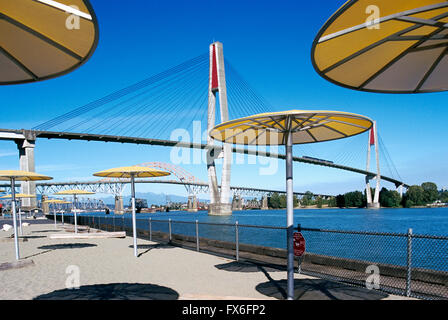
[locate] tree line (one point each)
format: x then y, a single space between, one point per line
416 195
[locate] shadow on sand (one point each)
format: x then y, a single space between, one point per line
246 267
43 231
318 289
150 247
113 291
67 246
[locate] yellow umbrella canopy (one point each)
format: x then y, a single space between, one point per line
42 39
136 171
18 195
19 175
305 126
397 46
74 192
57 201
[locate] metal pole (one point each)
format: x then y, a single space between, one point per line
74 208
237 242
409 264
134 221
289 217
13 204
150 229
20 220
197 236
169 227
54 214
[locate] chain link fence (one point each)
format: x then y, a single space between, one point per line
406 264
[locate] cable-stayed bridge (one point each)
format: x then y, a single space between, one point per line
176 107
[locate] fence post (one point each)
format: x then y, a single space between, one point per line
409 264
150 229
113 221
169 227
197 236
237 242
123 223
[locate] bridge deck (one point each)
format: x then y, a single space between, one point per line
170 143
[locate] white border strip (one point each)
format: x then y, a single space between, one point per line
390 17
66 8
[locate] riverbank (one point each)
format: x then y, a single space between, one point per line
107 269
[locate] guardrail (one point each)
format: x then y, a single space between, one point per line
406 264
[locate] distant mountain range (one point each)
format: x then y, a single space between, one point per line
152 198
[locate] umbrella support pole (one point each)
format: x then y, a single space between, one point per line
289 218
134 222
54 214
20 221
74 208
14 217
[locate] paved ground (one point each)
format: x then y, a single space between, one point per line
107 269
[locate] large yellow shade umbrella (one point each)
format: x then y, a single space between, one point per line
74 193
42 39
13 176
19 196
132 172
288 128
397 46
56 201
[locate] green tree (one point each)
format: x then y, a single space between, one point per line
354 199
307 198
389 198
340 201
430 192
274 201
319 202
295 201
415 196
444 196
283 201
332 202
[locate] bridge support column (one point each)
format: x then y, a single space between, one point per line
219 199
45 206
373 141
119 209
237 203
192 204
401 191
264 203
26 161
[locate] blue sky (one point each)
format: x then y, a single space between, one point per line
269 43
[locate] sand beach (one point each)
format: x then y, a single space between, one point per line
107 269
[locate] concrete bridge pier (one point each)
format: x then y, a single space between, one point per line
217 92
373 141
26 163
192 203
45 206
264 203
237 203
119 208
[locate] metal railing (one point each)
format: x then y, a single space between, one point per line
408 264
